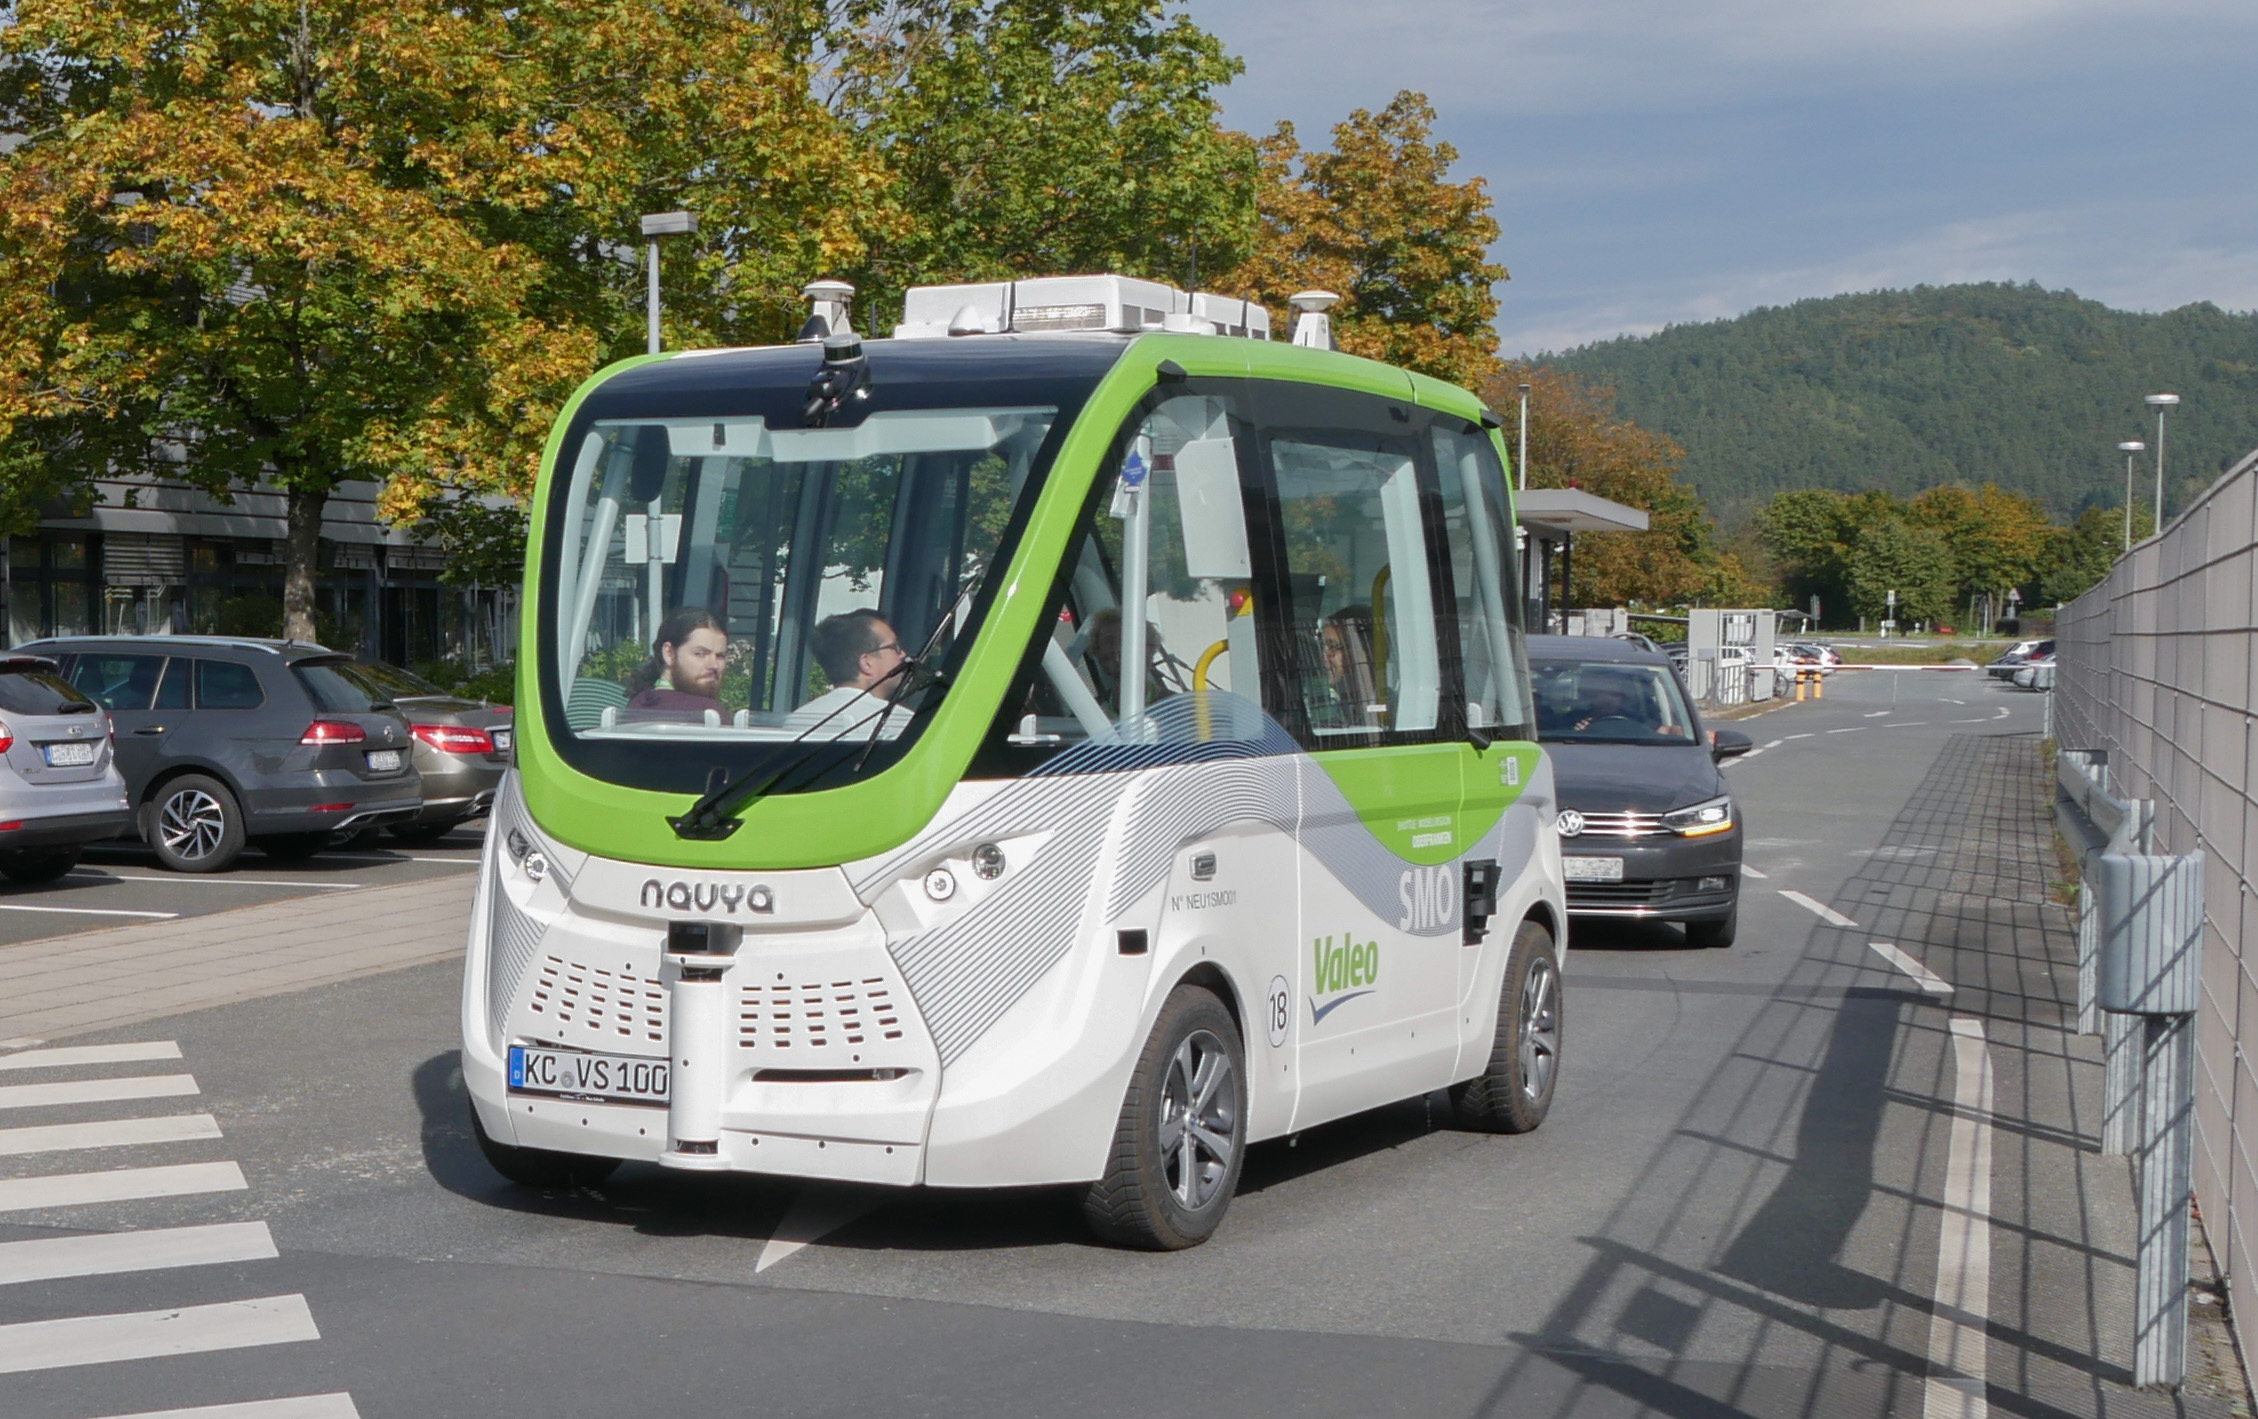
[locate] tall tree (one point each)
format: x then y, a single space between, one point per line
1999 540
1377 221
244 242
1039 137
1892 556
2085 552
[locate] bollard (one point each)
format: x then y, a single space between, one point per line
1818 684
2148 975
698 957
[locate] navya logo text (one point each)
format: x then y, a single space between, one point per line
1429 898
705 896
1344 972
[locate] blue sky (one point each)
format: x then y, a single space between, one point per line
1662 161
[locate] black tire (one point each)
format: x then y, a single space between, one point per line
425 832
1513 1093
1138 1203
1714 933
538 1167
194 824
292 847
38 864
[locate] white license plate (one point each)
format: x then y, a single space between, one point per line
383 761
1592 869
501 740
571 1074
68 756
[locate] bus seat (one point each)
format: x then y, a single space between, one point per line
585 706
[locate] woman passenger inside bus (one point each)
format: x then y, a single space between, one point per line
864 660
682 679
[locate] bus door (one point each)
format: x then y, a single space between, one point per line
1378 710
1477 533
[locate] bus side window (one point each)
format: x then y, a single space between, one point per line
1478 531
1363 612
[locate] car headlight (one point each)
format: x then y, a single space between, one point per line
1702 819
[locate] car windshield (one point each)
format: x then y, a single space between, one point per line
721 582
1581 701
38 690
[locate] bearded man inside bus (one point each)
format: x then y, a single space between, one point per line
865 662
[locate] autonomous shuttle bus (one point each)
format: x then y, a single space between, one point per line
1063 743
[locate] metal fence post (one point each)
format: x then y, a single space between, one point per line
2120 1084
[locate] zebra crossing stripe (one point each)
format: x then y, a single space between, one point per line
106 1133
96 1091
142 1335
90 1054
118 1185
109 1253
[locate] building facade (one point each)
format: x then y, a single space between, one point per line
154 557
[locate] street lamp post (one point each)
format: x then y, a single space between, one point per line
1521 457
656 225
2128 448
2160 403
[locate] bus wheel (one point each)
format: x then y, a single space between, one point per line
538 1167
1513 1094
1183 1131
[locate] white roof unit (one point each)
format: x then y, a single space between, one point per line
1119 304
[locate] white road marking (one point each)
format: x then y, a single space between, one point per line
110 1253
304 1406
1748 871
184 878
1927 979
450 861
1905 724
1805 735
1775 743
96 1091
1961 1316
118 1185
2002 713
814 1214
1852 730
1825 913
1877 714
69 1055
1952 701
141 1335
1978 720
88 911
106 1133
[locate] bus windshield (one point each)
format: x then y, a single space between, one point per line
724 582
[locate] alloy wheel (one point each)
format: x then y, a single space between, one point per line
1199 1126
1540 1028
192 824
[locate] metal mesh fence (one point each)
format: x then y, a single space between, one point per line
2155 671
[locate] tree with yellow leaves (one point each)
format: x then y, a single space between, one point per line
244 242
1377 222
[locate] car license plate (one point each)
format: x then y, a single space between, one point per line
68 756
1592 869
383 761
572 1074
501 740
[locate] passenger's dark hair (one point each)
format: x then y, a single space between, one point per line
842 641
672 631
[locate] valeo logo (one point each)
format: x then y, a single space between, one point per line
1342 971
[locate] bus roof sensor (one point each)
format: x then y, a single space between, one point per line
1122 305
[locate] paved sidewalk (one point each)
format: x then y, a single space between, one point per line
97 980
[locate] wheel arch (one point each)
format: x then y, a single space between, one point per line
1541 913
183 768
1210 976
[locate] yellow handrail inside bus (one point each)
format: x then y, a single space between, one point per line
1199 687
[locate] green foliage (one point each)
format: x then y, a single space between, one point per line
2010 385
2083 555
1892 555
496 684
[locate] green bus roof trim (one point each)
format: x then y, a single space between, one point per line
865 819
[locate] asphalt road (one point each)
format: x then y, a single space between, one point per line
118 883
1732 1209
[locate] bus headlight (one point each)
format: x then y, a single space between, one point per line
1702 819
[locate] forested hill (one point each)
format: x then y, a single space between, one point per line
1903 390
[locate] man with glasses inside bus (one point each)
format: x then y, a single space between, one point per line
865 662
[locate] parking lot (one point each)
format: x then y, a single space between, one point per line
116 884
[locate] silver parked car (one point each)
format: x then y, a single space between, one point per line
59 783
462 747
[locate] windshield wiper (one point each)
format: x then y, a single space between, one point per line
713 817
